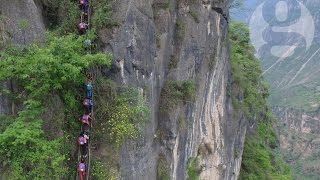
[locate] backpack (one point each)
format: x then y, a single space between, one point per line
82 140
82 26
86 102
85 119
82 167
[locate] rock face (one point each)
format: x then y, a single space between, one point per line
23 24
299 136
193 34
157 41
24 20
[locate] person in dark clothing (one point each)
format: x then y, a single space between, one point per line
84 6
87 104
85 128
83 143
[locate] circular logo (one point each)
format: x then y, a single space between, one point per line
278 28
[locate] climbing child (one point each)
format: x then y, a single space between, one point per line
89 89
87 104
81 169
84 6
82 140
82 27
85 119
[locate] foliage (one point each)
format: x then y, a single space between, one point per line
62 15
57 66
246 72
4 33
194 15
174 92
101 172
120 116
102 16
180 30
161 5
26 153
193 169
173 62
260 159
163 169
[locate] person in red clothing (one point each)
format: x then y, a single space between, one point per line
85 119
82 27
81 169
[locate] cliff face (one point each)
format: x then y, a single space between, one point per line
299 139
22 23
157 41
150 36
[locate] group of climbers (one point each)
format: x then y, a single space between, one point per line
84 23
85 119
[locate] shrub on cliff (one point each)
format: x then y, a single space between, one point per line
40 70
259 160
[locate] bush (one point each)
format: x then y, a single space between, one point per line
120 111
180 30
102 15
260 159
101 172
195 16
56 66
193 169
174 92
163 169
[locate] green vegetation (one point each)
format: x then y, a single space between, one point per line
102 16
175 92
63 15
163 169
119 110
193 169
161 5
40 70
260 158
158 40
101 172
4 33
251 90
194 15
180 30
173 62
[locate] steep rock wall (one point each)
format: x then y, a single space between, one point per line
193 33
23 24
151 35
